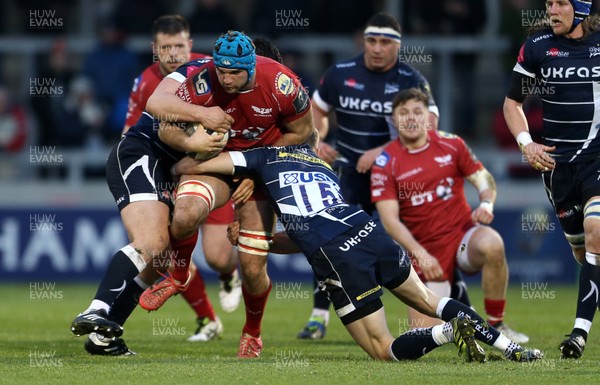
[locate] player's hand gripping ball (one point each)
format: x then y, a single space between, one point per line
191 128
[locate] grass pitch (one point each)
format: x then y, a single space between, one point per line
38 348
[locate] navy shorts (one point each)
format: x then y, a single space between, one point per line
354 266
134 172
569 186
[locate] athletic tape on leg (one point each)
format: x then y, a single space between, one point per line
255 242
592 209
196 188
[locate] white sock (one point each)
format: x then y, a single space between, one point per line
97 305
442 334
323 313
505 345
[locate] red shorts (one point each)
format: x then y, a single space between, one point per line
221 216
445 251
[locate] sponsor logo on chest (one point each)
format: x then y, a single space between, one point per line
444 160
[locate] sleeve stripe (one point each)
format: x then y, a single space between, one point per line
238 159
519 68
320 102
177 77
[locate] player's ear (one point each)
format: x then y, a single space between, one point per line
190 43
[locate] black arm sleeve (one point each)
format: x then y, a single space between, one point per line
519 86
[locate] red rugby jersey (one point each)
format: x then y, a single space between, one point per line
277 97
428 183
143 86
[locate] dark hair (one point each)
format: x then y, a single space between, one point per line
384 19
170 25
410 94
265 47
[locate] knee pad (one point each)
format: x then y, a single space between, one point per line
255 242
196 188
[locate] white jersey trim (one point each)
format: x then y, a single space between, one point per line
564 103
595 124
177 77
318 100
238 159
519 68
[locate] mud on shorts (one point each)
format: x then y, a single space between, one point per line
355 266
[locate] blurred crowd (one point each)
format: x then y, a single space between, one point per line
79 101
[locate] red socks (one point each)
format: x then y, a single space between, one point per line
196 296
255 307
182 256
494 308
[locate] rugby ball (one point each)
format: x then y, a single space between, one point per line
191 128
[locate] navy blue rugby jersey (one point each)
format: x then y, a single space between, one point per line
566 76
362 99
304 191
146 129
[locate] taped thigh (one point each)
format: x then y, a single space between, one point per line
255 242
198 189
592 209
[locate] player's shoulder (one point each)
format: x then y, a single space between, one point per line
274 75
392 150
151 72
341 72
150 76
405 70
195 65
447 140
540 38
199 56
349 65
269 68
444 136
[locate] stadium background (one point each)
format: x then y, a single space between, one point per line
66 68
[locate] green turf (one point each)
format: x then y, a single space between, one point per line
38 348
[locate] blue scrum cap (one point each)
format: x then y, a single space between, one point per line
235 50
582 10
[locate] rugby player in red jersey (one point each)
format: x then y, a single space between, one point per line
172 47
268 106
417 184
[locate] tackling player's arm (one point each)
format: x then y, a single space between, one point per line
165 103
221 164
486 186
172 135
389 212
321 119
